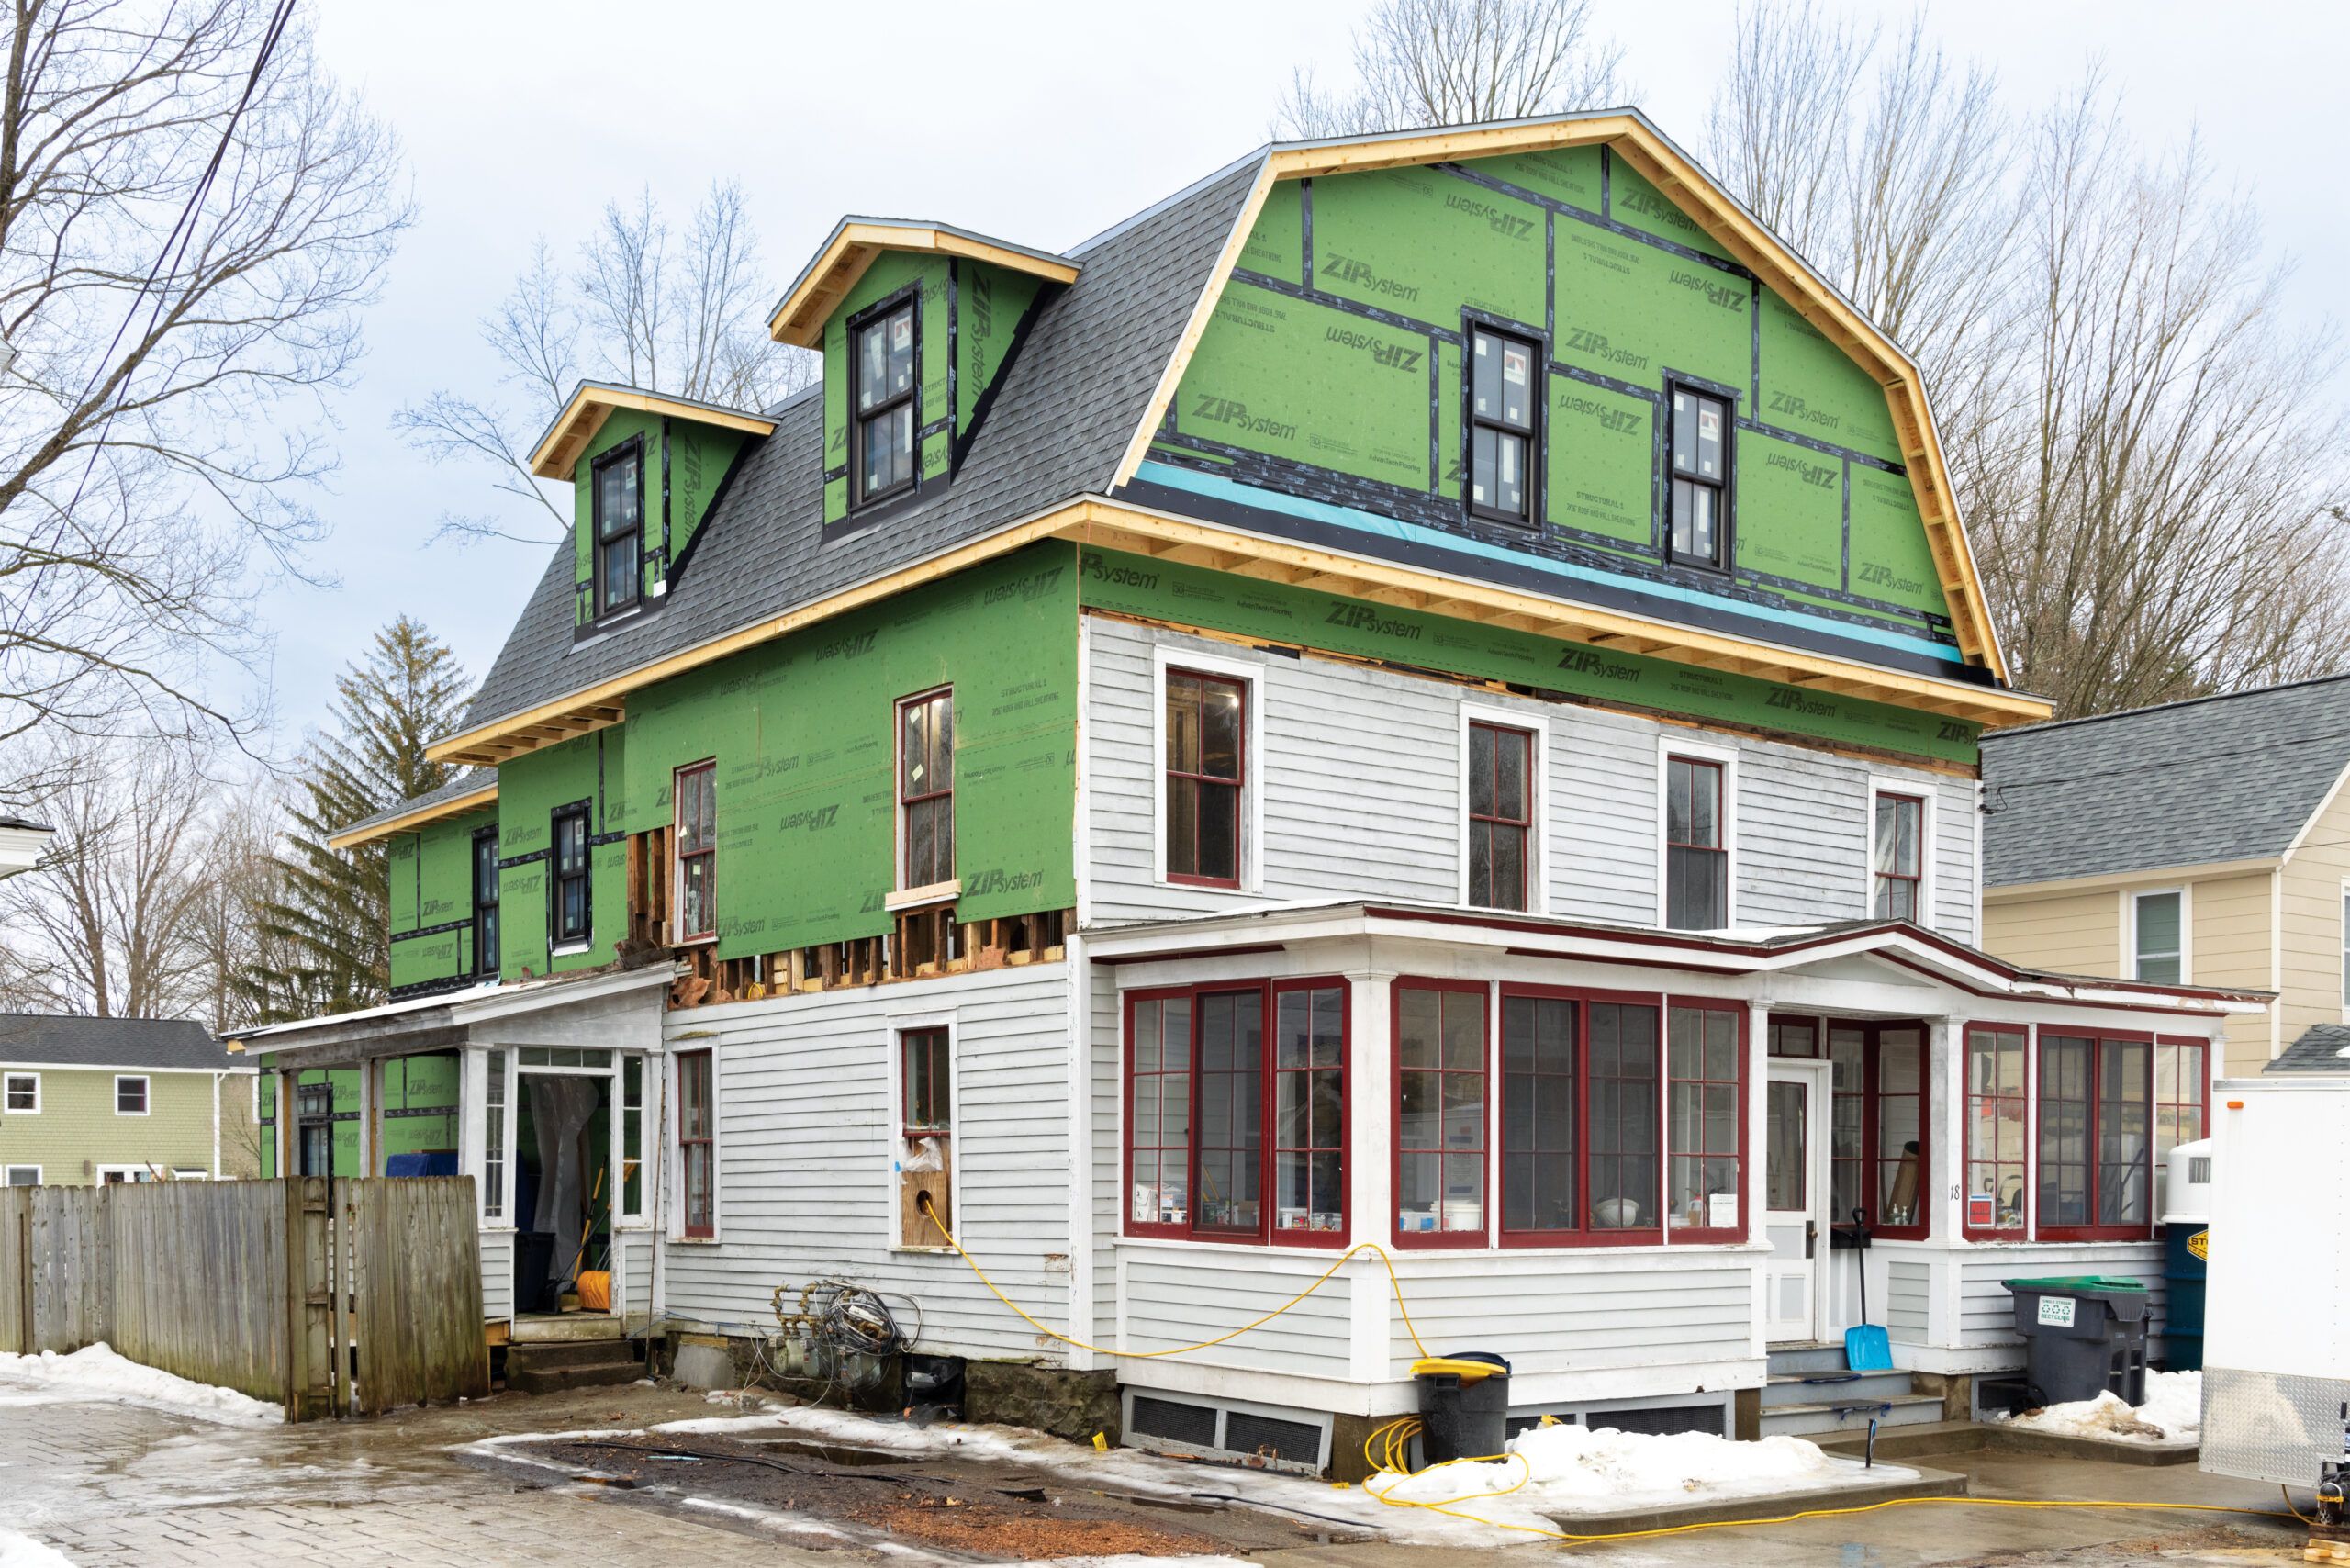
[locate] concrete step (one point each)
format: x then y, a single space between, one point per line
538 1328
1848 1388
554 1380
1800 1360
554 1355
1851 1415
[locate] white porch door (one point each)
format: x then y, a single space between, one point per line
1794 1195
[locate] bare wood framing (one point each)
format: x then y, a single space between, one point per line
559 451
409 821
859 242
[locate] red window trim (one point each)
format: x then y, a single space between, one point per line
1966 1161
1271 990
1480 728
2202 1101
679 854
1818 1035
907 1128
2100 1039
897 787
1438 1240
1871 1157
1238 783
1916 876
1703 1234
708 1140
1586 1234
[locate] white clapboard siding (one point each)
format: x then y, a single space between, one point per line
1557 1314
805 1147
1176 1300
1108 1058
497 1274
1908 1285
1359 795
1987 1311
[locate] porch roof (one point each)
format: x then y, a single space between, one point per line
604 1009
1761 951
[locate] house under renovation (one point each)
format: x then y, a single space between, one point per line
1423 689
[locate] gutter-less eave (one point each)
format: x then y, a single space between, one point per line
409 821
2106 881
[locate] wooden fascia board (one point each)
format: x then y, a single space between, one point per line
409 821
558 454
799 319
1695 193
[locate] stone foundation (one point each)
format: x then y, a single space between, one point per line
1073 1404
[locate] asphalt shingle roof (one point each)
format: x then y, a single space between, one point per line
2325 1048
464 782
62 1041
1062 416
2211 779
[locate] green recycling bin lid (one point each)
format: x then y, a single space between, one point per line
2075 1282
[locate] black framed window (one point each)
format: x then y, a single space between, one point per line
926 789
882 379
1696 857
1699 438
1505 425
486 900
568 915
617 500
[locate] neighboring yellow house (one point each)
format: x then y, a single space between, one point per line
2205 842
89 1099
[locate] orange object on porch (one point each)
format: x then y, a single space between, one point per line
596 1289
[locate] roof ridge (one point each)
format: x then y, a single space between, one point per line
2164 707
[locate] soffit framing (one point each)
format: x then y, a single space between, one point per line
859 242
1650 153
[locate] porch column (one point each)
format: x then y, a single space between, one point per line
1946 1117
1371 1136
472 1097
1756 1172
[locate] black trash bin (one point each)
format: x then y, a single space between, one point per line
1464 1406
2083 1335
533 1255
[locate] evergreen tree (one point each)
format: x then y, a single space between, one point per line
330 920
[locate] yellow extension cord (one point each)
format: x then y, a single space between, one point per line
1385 1449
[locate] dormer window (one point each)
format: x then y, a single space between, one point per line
882 379
619 506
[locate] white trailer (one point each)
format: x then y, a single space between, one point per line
2276 1334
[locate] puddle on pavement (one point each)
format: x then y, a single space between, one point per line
830 1453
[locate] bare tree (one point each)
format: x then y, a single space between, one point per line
1424 63
192 214
685 315
229 934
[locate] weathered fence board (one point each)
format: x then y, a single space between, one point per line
199 1295
415 1291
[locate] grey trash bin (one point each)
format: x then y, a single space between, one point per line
2083 1335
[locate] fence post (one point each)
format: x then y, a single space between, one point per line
309 1300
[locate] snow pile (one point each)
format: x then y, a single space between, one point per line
23 1552
1580 1467
2172 1413
96 1372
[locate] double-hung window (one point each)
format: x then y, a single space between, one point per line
926 1084
1504 407
1501 815
2096 1138
696 837
1698 436
486 900
567 911
2157 935
1442 1076
1206 739
22 1096
1236 1113
617 500
1877 1127
697 1144
926 789
1897 857
131 1094
1697 854
882 379
1705 1125
1993 1180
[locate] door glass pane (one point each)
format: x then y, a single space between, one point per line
1786 1139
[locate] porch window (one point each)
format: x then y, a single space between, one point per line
1582 1119
631 1136
1441 1098
1696 861
1705 1130
1206 764
493 1138
2158 937
2182 1096
1235 1133
1542 1100
486 900
1501 815
696 852
1623 1085
926 789
1795 1037
567 911
697 1143
1897 856
1877 1136
2095 1147
1995 1132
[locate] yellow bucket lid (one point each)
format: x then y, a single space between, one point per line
1467 1371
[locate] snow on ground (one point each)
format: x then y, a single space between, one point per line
2172 1413
96 1372
23 1552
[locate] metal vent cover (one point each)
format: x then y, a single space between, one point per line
1178 1423
1291 1441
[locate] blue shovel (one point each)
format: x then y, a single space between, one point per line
1867 1347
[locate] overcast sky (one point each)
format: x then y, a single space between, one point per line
1041 123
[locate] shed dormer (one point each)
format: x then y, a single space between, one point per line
917 322
644 470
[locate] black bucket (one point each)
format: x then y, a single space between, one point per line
1461 1417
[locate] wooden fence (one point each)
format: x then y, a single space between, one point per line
344 1297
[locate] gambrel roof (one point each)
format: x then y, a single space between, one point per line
1075 413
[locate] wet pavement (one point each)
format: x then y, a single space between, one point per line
110 1484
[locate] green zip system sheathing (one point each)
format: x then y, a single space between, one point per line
683 466
803 731
530 789
1331 372
1244 607
430 881
420 1111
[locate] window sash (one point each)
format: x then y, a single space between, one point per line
131 1094
695 838
1875 1110
2159 946
1443 1118
1704 1120
632 1156
1896 856
926 789
568 910
493 1136
1697 858
2095 1144
2182 1096
485 900
927 1089
22 1094
1501 830
1698 434
1505 424
1996 1171
882 418
1207 765
696 1136
617 496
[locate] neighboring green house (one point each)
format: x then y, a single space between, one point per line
88 1099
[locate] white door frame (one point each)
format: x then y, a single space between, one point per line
1818 1132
